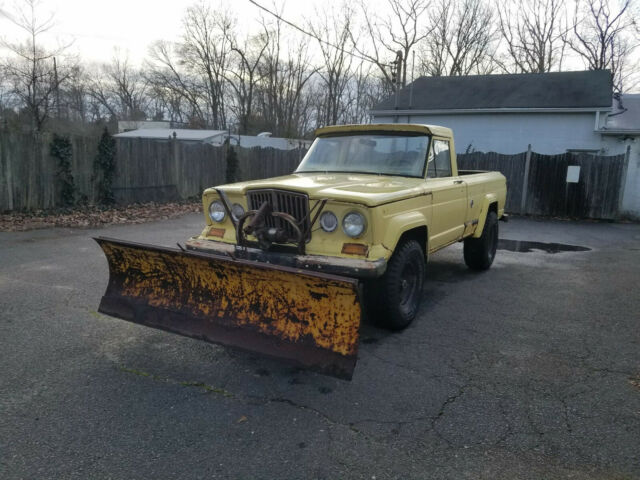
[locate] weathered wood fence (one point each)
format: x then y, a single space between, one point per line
28 172
168 170
537 184
163 170
146 169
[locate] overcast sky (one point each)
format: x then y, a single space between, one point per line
97 27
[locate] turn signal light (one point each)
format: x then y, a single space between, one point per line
355 249
216 232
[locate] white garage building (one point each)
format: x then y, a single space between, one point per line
554 112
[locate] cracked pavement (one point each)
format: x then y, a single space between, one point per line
530 370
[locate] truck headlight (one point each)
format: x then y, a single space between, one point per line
237 210
354 224
216 211
328 221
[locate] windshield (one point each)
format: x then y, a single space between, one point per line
384 154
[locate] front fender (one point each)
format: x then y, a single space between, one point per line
400 224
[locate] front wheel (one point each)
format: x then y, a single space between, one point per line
394 299
480 252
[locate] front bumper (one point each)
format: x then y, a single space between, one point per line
349 267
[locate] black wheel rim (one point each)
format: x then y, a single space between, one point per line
408 285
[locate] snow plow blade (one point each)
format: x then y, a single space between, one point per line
308 318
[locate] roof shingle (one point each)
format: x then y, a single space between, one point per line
530 90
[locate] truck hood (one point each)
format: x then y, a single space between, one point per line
366 189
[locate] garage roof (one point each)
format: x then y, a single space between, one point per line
556 90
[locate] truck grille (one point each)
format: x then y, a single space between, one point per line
295 204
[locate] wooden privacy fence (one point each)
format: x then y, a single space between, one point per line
28 172
146 169
164 170
168 170
537 184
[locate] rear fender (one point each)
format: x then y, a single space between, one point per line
486 204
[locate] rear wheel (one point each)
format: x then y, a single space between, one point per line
394 298
480 252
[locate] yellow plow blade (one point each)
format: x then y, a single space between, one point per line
309 318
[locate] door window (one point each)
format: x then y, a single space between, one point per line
439 160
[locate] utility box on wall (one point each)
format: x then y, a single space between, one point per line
573 174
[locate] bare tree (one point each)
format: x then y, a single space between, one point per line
121 89
605 33
243 76
193 75
402 31
205 53
533 32
363 91
31 70
75 94
130 88
284 78
101 92
462 40
167 102
6 98
183 91
334 26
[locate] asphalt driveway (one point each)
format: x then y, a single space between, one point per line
530 370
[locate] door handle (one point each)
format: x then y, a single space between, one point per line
458 181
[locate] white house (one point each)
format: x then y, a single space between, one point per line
553 112
621 130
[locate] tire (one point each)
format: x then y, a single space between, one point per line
480 252
394 298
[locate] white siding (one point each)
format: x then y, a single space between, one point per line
508 133
548 133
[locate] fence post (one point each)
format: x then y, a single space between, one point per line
525 182
177 164
6 160
623 181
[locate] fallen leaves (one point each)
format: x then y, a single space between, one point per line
92 216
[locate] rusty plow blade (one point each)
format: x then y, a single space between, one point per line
309 318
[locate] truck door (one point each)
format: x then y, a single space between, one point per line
449 197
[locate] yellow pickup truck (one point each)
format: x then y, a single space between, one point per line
367 201
280 267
